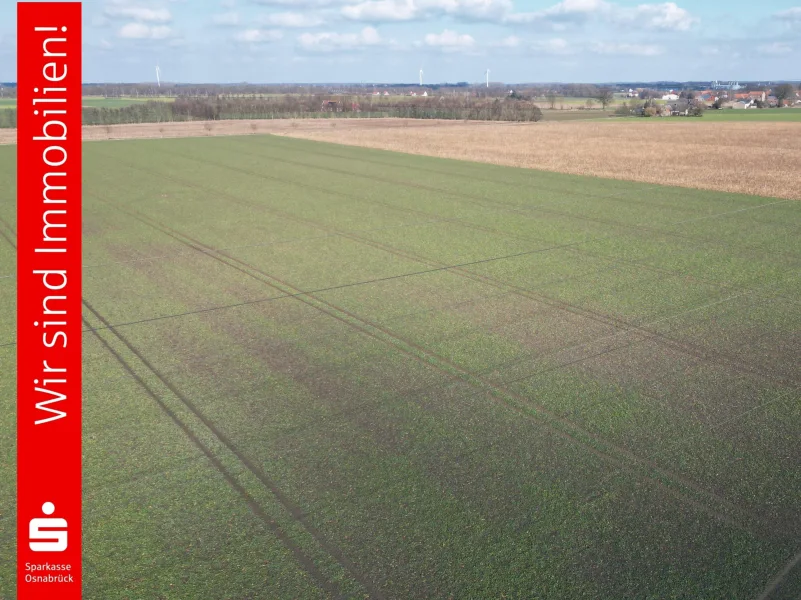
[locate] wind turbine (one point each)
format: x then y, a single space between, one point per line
158 76
421 76
487 77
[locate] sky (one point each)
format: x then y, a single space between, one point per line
385 41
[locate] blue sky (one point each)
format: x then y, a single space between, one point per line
452 40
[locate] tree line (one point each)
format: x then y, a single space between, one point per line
307 106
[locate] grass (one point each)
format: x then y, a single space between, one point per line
412 377
95 102
98 102
769 115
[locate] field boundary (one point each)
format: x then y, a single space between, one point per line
753 157
237 127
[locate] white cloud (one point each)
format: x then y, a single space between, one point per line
228 3
508 42
291 20
140 31
660 17
491 10
791 15
382 11
449 40
775 49
557 46
627 49
667 16
258 36
567 11
138 13
330 41
578 7
300 3
406 10
228 19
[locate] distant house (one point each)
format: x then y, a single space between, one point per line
386 93
670 96
680 108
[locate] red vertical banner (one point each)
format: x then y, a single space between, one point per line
49 300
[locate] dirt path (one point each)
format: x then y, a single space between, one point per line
753 158
237 127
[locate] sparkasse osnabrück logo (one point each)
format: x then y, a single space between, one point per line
51 529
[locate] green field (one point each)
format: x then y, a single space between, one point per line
765 114
98 102
576 115
317 371
95 102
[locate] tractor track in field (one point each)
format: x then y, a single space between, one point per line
6 237
476 199
692 349
572 246
11 228
476 227
294 511
306 562
639 263
380 163
742 520
776 583
664 187
509 208
699 352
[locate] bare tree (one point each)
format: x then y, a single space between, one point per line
552 98
605 97
783 92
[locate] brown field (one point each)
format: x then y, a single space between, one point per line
753 158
